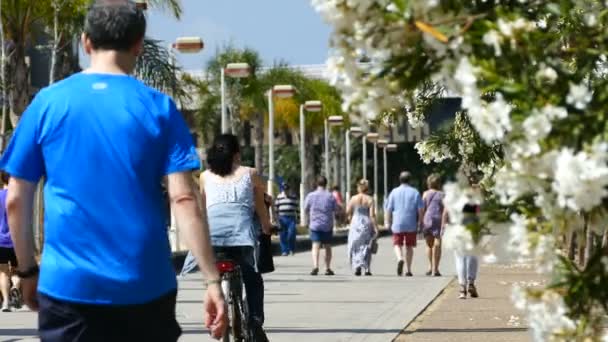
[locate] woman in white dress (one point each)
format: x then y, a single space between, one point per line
363 229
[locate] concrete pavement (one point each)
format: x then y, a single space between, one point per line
489 318
300 307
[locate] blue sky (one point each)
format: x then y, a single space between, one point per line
287 30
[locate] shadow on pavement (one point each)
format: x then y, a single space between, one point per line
465 330
19 332
289 330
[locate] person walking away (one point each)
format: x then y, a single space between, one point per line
404 211
431 222
467 265
287 208
106 272
11 295
363 229
320 207
233 194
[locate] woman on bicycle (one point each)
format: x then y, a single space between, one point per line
234 195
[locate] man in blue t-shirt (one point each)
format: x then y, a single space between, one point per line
104 141
403 214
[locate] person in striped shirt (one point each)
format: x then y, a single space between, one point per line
287 208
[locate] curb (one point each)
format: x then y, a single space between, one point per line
303 244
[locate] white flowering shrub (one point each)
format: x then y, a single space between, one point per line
534 126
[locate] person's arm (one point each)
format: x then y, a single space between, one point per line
19 206
260 205
180 160
349 208
373 216
424 196
307 211
194 230
388 215
444 220
24 162
192 221
420 211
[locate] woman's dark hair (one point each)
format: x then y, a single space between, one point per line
220 156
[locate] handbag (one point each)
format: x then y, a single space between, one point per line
265 258
374 246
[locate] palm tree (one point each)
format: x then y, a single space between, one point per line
246 96
24 20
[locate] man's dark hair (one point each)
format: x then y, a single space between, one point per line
220 156
4 177
114 24
322 181
404 177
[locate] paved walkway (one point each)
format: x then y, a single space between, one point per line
489 318
300 307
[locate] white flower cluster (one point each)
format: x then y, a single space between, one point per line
581 178
430 153
547 316
563 181
506 30
492 120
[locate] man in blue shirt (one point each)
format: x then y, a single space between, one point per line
320 207
404 211
104 141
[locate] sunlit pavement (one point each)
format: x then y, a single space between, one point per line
300 307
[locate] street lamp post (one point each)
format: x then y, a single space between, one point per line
280 91
234 70
356 132
332 121
308 106
381 144
387 148
373 138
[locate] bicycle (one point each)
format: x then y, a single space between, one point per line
232 287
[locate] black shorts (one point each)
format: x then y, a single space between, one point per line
60 321
7 256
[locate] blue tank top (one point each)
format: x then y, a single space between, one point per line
230 211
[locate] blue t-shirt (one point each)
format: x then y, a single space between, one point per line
103 142
404 202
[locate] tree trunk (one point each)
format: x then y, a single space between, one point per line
4 85
19 92
56 40
571 238
258 142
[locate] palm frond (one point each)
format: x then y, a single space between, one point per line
155 68
174 6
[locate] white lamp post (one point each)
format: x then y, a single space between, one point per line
332 121
373 138
387 148
356 132
381 144
182 45
234 70
280 91
309 106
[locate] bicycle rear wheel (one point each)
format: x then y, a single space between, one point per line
238 328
